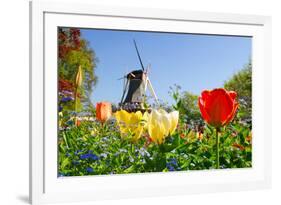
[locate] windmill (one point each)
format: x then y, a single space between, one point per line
136 83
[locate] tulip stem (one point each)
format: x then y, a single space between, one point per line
217 148
76 104
103 129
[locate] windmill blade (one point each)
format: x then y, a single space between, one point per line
121 78
152 91
147 69
124 90
146 77
124 76
138 55
145 82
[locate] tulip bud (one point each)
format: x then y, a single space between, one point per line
78 80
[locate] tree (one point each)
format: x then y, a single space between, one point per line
73 52
187 105
190 104
241 82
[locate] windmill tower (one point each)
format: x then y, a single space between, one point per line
136 83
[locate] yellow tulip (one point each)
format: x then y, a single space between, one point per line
161 124
130 123
199 135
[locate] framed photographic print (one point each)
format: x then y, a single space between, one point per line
129 102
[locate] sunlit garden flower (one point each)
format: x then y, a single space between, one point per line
161 124
182 135
249 138
130 123
123 150
77 152
103 111
89 169
77 122
75 162
238 146
218 106
89 155
143 152
103 155
199 135
84 156
172 164
94 132
131 159
60 175
66 99
105 139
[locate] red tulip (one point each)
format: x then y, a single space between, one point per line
103 111
218 106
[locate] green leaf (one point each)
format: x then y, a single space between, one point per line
130 169
64 163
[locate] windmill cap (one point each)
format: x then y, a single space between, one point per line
136 74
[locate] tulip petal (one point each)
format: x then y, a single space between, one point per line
155 130
135 118
219 107
205 95
174 118
130 124
163 112
232 94
98 108
204 113
206 98
160 124
122 116
165 122
103 111
144 121
232 114
137 133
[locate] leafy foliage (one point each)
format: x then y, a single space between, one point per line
93 149
241 82
74 51
187 104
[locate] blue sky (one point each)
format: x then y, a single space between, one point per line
195 62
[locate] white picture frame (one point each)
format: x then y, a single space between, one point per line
46 187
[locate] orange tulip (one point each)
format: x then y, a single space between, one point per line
103 111
77 122
218 106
